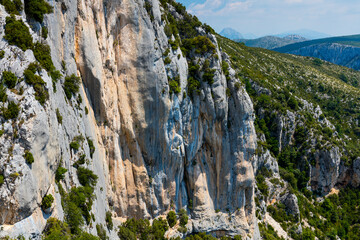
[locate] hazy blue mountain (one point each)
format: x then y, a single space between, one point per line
249 36
306 33
231 34
271 42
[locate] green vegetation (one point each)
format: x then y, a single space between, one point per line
44 32
289 79
42 53
9 79
1 179
2 54
108 220
12 6
60 173
199 44
29 158
47 202
174 85
71 85
37 82
86 177
91 146
78 202
187 37
36 9
336 215
17 33
58 230
75 145
183 217
171 218
3 95
141 229
58 116
12 111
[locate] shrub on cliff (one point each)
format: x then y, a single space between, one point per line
29 158
71 85
12 7
108 220
183 217
43 55
3 95
86 177
91 147
17 33
36 9
47 201
60 172
12 111
171 218
9 79
37 82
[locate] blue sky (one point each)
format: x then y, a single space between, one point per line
264 17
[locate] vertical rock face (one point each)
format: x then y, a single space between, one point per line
155 150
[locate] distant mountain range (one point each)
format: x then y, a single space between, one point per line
231 34
343 50
306 33
271 42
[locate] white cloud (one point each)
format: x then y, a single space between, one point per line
336 17
219 7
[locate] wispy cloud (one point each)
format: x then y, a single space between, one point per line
219 7
262 17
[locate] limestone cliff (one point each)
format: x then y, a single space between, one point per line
156 150
132 109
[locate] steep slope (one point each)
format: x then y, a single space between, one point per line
307 120
271 42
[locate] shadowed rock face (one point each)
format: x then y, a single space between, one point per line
155 151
